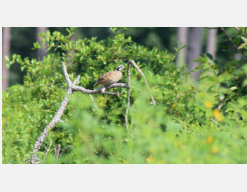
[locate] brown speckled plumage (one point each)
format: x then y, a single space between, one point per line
110 77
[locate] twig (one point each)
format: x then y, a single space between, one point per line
222 28
102 89
128 98
138 69
219 107
57 117
241 31
240 64
47 150
214 121
73 87
128 90
93 101
65 148
57 149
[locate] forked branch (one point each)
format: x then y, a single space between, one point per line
128 90
73 87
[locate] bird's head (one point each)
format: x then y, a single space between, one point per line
120 68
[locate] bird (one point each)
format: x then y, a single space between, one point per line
110 77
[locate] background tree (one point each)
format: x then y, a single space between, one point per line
6 52
182 34
200 123
212 42
41 52
164 38
194 49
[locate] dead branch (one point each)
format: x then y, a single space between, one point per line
56 118
139 70
73 87
93 101
128 98
128 89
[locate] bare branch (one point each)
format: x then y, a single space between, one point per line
241 31
219 107
73 87
99 90
128 98
93 101
240 64
66 75
57 149
56 118
222 28
139 70
214 121
64 149
76 80
128 90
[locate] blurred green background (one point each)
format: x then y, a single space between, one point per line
163 38
200 91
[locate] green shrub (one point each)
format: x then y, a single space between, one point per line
179 129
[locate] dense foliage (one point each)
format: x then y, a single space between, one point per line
191 123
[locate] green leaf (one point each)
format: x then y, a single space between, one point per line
221 96
42 35
7 58
182 47
242 46
233 88
245 83
210 56
230 109
217 87
244 39
203 77
197 60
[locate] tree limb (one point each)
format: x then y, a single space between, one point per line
241 31
128 98
139 70
128 90
73 87
222 28
240 64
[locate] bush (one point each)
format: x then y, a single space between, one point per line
181 128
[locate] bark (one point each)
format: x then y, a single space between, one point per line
6 51
73 87
194 50
211 42
182 35
41 52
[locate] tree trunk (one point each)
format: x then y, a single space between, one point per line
72 38
6 51
211 42
194 50
41 52
182 34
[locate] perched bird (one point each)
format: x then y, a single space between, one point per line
110 77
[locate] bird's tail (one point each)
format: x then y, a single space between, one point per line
96 84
